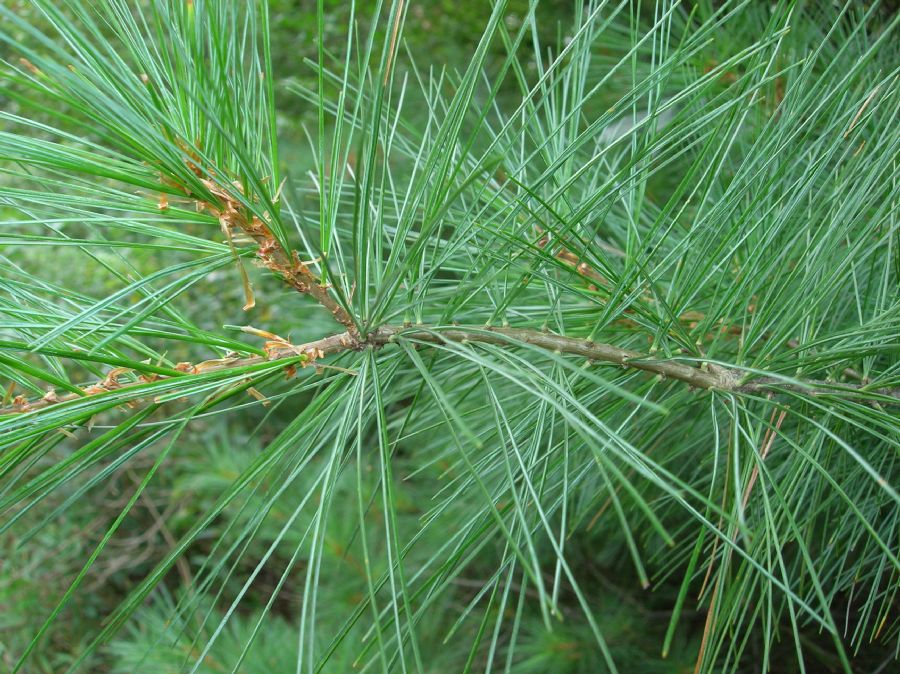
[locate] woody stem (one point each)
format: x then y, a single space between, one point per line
704 376
298 276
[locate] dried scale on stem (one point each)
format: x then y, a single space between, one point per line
272 255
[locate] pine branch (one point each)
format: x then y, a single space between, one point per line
707 376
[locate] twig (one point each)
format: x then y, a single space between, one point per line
691 318
703 376
233 217
184 569
271 253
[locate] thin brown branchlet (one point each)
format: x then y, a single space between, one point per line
596 280
271 254
234 218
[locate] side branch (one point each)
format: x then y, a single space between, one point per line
270 252
704 376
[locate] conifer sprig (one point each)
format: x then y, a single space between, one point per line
619 315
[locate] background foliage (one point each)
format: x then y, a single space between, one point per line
699 182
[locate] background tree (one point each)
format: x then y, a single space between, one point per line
579 356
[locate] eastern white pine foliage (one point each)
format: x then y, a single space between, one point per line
610 313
